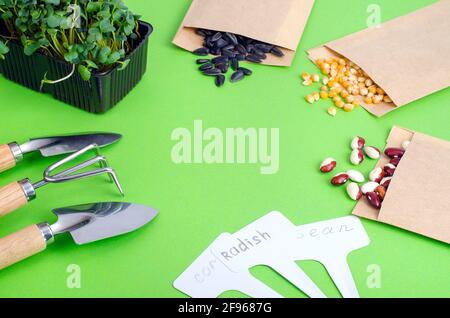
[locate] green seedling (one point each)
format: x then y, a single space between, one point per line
93 36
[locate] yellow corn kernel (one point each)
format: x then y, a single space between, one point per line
325 71
306 76
323 94
347 84
336 99
387 99
368 100
350 98
344 93
307 82
339 104
342 62
377 99
331 111
319 62
353 79
331 83
332 94
368 82
355 103
348 107
310 99
325 80
316 96
315 78
380 91
373 90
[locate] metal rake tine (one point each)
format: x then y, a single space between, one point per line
68 174
104 164
70 158
65 175
110 171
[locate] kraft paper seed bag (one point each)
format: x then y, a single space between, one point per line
278 22
408 57
418 197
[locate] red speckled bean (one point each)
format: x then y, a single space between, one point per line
339 179
374 199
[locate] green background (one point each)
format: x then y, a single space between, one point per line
198 202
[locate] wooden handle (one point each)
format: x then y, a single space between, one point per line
12 197
21 245
7 160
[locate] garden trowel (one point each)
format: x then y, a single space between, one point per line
12 153
85 223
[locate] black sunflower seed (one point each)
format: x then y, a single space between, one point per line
206 31
240 57
202 61
212 72
203 51
216 37
200 32
237 76
234 64
228 53
246 71
229 47
276 51
223 67
220 80
266 48
221 43
232 38
206 66
215 51
260 54
241 49
220 59
253 58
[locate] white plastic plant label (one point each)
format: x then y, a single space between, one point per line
208 277
330 242
275 242
268 241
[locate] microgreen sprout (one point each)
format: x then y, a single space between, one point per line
92 35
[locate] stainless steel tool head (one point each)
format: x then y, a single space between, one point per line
58 145
93 222
76 172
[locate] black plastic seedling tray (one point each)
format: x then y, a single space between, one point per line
102 92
